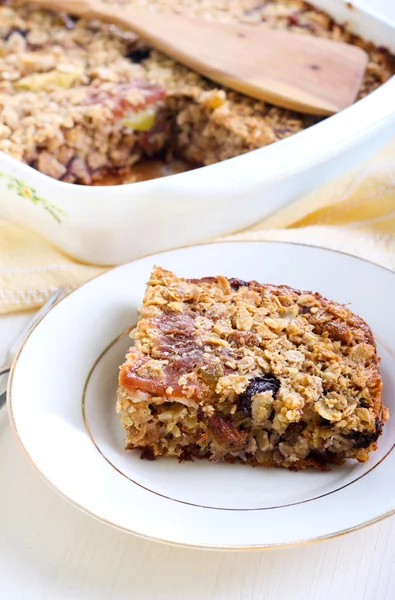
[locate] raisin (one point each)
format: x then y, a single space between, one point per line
200 414
137 55
293 431
337 332
210 372
363 440
267 383
243 338
147 453
235 284
363 403
225 433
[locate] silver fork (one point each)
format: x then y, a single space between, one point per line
5 369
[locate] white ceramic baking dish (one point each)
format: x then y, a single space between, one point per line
112 225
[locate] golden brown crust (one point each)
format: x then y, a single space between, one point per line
238 370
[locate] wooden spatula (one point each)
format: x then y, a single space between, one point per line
300 72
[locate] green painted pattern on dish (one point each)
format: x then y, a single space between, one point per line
24 191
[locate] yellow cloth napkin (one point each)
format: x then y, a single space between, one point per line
355 214
31 269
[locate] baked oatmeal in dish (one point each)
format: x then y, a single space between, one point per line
230 370
80 100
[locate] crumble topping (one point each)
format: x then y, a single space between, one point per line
261 373
56 73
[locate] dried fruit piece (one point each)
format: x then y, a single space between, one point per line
44 81
244 338
140 121
362 439
267 383
225 433
293 431
235 284
338 332
138 55
126 98
147 453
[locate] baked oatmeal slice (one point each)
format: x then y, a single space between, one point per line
239 371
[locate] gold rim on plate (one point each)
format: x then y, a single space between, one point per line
171 542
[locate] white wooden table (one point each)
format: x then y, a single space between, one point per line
51 551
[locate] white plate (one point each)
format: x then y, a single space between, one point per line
235 193
62 408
